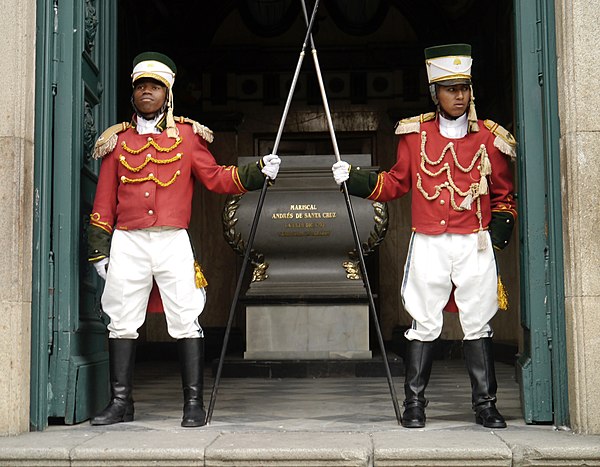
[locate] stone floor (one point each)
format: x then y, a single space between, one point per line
332 404
312 422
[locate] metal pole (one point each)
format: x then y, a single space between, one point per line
253 228
354 226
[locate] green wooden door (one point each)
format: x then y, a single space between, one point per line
75 99
542 364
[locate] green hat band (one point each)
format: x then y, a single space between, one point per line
156 57
448 50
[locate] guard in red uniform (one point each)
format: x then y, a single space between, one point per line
459 171
138 230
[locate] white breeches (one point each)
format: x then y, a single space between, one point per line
434 263
137 256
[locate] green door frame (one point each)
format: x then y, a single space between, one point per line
42 267
543 366
76 61
555 266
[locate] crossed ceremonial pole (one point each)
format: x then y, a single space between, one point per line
261 200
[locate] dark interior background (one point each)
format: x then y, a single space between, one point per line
235 60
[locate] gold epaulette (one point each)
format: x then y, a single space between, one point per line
413 124
108 140
199 129
504 141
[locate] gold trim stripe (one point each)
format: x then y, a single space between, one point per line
449 77
378 187
152 143
96 258
148 159
150 178
236 179
506 209
95 220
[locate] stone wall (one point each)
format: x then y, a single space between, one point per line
577 33
17 82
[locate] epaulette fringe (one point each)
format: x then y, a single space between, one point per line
413 124
108 140
504 141
199 129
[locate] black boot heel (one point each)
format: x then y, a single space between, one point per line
490 418
413 415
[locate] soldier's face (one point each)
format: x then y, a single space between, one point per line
149 96
454 100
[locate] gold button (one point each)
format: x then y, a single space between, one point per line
150 212
151 175
443 222
148 156
149 138
122 157
146 194
442 201
123 178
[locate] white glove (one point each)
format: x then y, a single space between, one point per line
101 267
271 165
341 171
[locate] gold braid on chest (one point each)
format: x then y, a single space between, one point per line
152 143
147 160
474 190
151 177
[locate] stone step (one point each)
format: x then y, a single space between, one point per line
118 446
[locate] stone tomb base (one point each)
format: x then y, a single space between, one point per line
311 331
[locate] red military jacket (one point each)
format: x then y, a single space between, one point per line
455 183
148 180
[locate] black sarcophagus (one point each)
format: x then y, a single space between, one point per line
307 299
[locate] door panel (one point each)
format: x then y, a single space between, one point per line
542 368
84 103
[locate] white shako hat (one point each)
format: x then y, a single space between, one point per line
154 65
449 64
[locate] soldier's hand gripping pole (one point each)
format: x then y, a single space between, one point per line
261 200
357 241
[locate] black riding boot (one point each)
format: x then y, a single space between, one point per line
191 356
480 363
418 361
121 355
